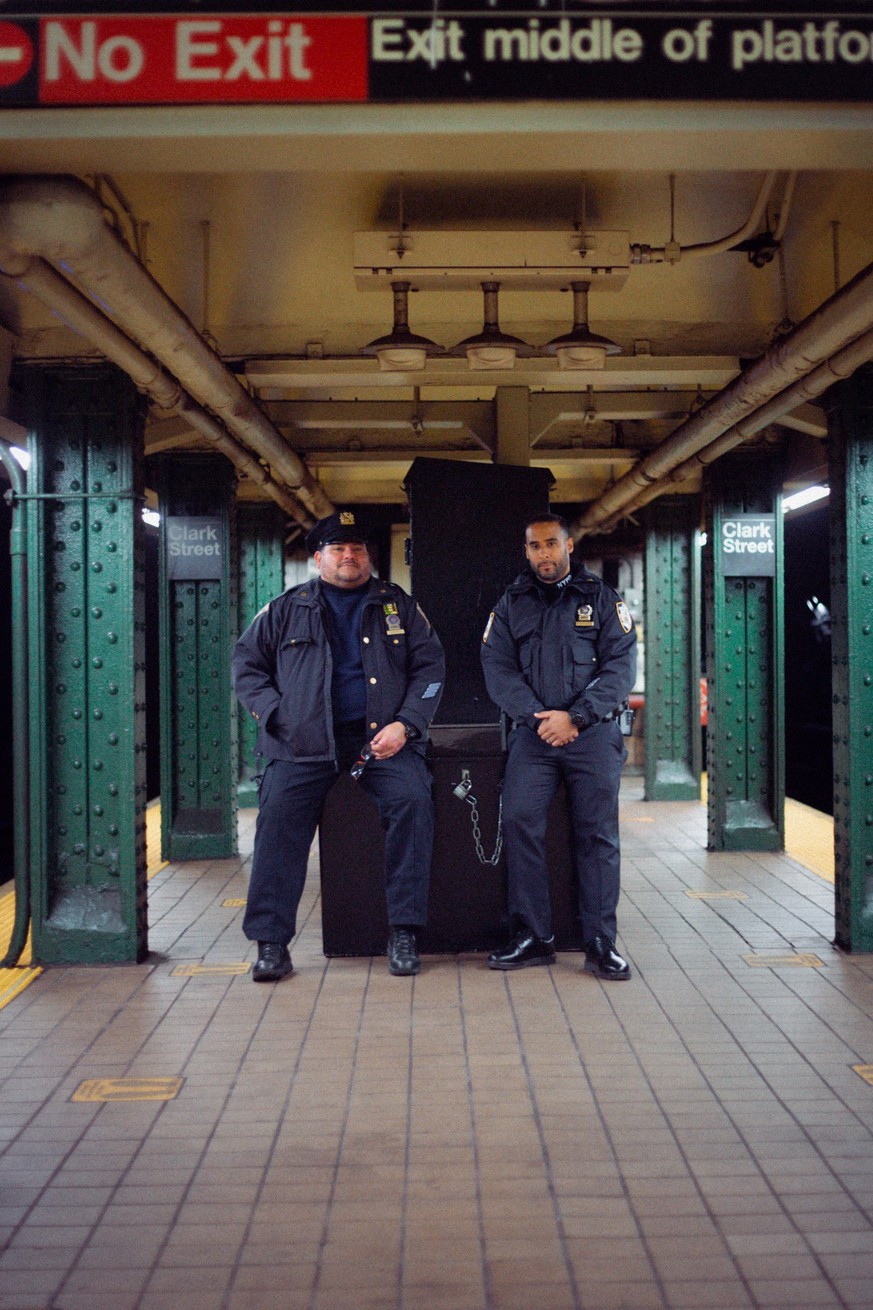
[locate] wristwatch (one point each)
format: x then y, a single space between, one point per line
579 721
412 734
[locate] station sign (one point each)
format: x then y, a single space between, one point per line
747 546
194 547
54 54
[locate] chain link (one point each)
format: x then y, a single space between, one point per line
477 832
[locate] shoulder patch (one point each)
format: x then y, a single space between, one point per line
624 616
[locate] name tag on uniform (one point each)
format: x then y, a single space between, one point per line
584 616
392 620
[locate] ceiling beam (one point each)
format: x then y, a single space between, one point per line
710 372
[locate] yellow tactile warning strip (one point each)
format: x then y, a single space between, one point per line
809 835
154 863
128 1089
14 981
717 896
804 960
195 970
864 1071
233 902
809 838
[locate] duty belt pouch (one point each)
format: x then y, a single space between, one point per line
626 721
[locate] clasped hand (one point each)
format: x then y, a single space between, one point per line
556 727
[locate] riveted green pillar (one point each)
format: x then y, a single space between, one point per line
850 432
261 566
87 664
672 610
197 617
745 654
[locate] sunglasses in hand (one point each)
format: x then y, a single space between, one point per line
360 763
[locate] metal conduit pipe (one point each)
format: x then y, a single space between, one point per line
57 294
828 330
60 219
20 733
664 254
840 366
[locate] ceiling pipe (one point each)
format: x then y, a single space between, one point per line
673 252
61 220
53 291
827 331
840 366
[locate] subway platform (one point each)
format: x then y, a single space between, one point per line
175 1138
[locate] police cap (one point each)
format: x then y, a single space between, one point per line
337 529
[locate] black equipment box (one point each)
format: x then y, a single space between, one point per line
467 898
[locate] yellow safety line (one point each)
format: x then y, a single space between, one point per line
809 835
154 863
13 981
809 838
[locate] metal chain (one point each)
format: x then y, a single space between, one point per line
477 832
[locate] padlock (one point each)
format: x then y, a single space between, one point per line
464 787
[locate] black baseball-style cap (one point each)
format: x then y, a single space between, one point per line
337 529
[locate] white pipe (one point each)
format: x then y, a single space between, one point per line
833 326
672 254
60 219
47 286
747 229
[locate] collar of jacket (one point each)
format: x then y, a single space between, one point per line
310 593
580 580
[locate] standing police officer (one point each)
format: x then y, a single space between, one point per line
559 655
342 671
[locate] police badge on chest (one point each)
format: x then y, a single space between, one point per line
393 625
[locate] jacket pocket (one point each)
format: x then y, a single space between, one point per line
583 661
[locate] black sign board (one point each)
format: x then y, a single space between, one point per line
194 547
747 548
227 52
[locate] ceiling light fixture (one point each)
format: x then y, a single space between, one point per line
401 351
491 348
581 348
808 496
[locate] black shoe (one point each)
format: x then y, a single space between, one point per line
602 959
403 958
273 962
523 952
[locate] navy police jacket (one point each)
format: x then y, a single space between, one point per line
576 654
282 669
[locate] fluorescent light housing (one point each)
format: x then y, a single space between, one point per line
401 351
808 496
580 348
21 456
491 348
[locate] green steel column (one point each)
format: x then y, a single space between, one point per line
850 431
672 646
197 617
261 566
745 656
87 664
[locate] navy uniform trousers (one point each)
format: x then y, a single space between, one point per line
291 800
590 768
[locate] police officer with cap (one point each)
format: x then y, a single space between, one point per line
559 656
341 672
